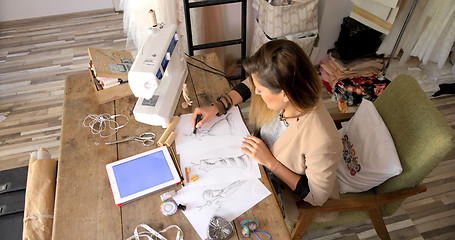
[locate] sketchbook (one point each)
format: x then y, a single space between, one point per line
141 174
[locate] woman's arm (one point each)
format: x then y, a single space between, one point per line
238 94
256 149
287 176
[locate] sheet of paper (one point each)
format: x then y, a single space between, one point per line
224 133
228 200
213 153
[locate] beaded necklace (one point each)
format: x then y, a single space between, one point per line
283 118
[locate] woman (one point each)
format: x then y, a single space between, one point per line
298 142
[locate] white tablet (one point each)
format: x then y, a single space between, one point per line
141 174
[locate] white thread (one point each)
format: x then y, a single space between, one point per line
100 123
38 216
150 233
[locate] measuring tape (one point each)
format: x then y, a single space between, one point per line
168 207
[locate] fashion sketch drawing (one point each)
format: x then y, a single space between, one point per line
242 161
215 198
221 136
226 199
222 126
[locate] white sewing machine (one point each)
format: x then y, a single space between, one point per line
157 76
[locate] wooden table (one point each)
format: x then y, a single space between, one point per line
84 206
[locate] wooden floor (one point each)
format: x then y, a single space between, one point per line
37 55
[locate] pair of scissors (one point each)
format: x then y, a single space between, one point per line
146 139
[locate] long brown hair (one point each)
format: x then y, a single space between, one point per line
282 65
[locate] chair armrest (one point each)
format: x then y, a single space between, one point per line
362 202
338 118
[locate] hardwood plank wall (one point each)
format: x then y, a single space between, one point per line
36 55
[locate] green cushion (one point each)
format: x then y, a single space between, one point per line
421 135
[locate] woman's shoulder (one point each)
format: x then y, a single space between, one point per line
318 123
318 114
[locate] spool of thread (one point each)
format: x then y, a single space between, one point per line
109 82
153 18
168 131
168 208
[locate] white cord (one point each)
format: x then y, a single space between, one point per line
150 233
101 122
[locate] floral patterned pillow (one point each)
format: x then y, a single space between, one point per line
369 155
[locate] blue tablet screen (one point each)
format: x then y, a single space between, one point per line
142 173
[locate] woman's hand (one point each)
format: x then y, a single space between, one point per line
256 149
206 113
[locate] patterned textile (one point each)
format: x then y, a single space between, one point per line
349 156
278 21
350 91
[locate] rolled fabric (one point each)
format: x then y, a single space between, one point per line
168 131
39 196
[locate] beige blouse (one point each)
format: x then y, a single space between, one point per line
312 146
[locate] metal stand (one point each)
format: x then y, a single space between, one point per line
386 66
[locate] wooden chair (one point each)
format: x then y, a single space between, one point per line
422 139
